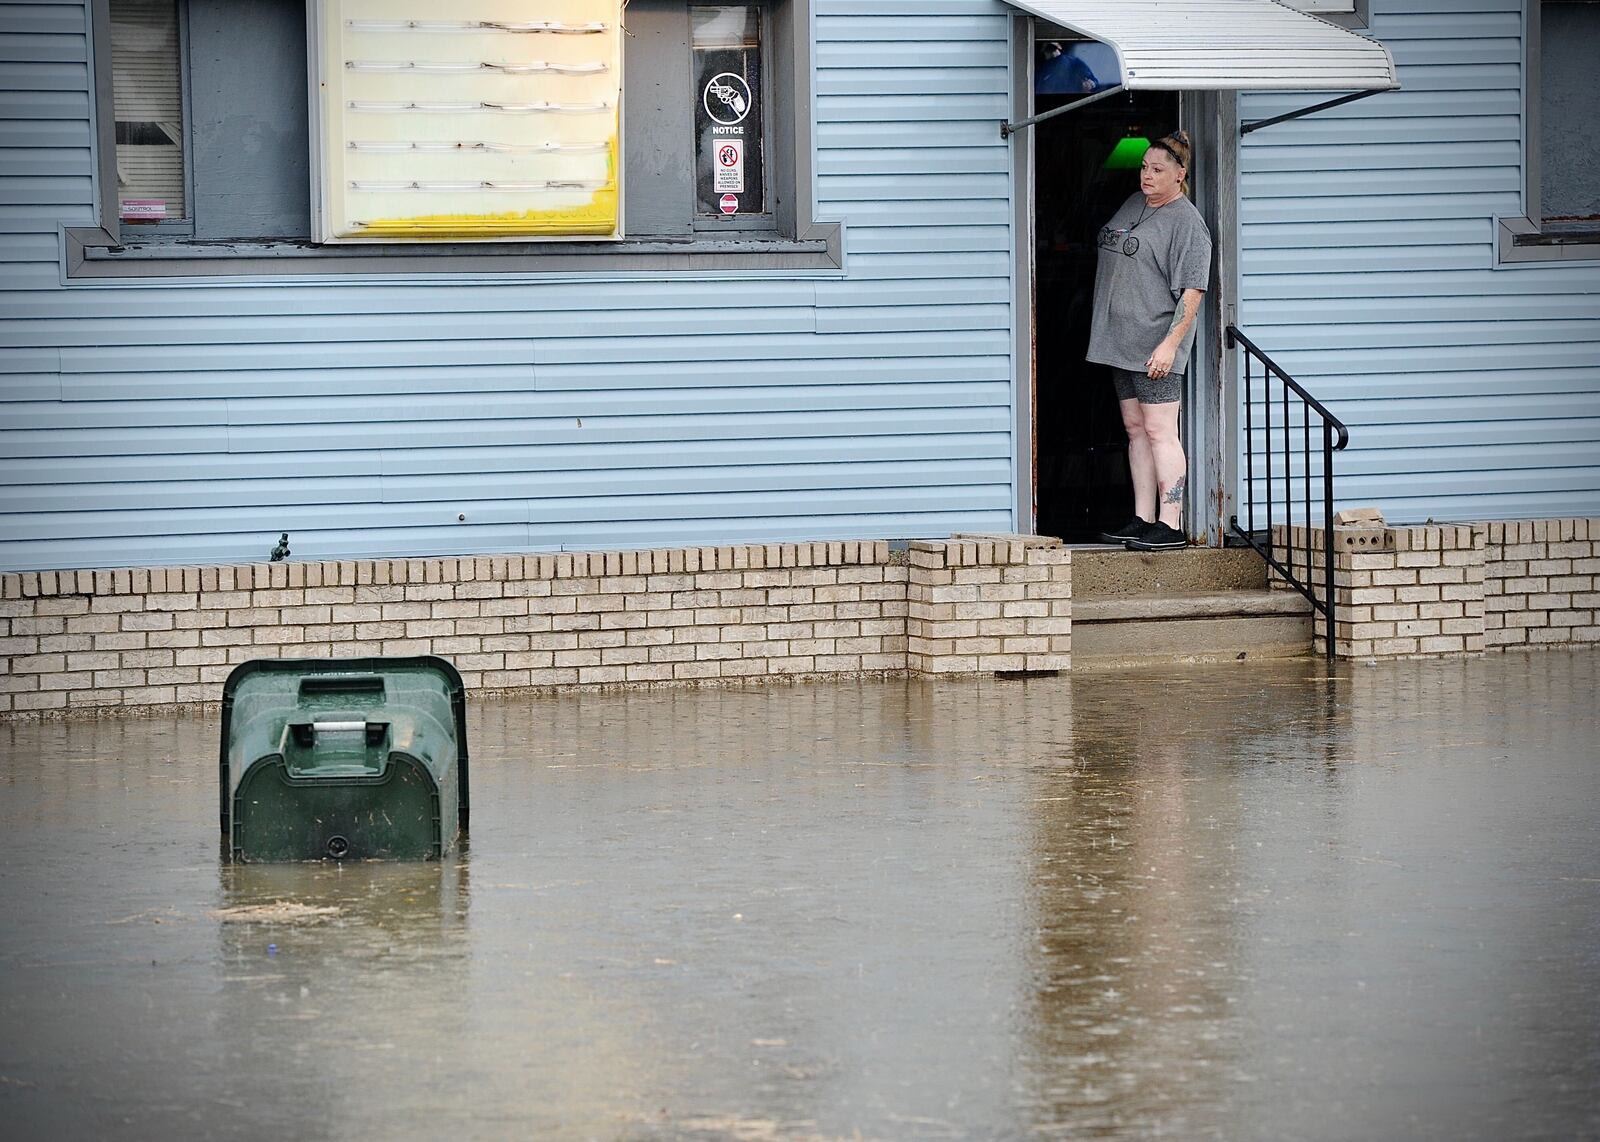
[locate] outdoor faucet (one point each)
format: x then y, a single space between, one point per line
281 552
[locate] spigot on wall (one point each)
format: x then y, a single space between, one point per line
281 552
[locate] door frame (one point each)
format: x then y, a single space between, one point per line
1210 425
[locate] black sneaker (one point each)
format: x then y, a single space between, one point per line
1133 529
1158 537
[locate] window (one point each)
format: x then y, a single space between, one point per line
151 187
477 140
1561 125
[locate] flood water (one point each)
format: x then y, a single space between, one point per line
1256 902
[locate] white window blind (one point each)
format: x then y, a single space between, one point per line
148 101
488 119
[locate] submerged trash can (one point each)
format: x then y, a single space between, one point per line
353 759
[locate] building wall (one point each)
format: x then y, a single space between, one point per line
187 423
1368 270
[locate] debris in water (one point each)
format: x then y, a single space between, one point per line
278 912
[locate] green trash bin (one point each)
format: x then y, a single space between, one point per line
356 759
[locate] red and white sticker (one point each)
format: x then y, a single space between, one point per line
729 203
143 209
730 166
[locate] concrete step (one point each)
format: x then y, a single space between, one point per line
1188 626
1100 572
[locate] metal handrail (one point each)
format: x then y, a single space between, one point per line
1334 437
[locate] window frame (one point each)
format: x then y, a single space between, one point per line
1357 21
1524 239
803 243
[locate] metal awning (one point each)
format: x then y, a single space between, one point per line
1231 45
1225 45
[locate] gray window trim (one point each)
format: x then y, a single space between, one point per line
97 253
1358 21
1525 239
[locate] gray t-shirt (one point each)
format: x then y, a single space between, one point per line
1147 259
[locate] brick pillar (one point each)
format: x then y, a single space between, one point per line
987 603
1406 592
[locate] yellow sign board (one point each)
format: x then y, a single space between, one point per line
487 120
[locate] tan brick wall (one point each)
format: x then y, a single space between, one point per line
158 636
1462 588
1543 584
988 604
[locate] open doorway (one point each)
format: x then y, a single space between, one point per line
1086 163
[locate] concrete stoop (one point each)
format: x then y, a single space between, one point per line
1199 605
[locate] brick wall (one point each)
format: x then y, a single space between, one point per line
1453 589
159 636
987 605
1543 583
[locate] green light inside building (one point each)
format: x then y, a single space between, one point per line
1127 154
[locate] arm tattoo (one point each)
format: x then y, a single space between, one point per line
1175 493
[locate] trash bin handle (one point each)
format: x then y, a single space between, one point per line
305 733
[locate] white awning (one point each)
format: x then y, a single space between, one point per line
1232 45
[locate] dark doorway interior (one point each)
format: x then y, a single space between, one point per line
1082 454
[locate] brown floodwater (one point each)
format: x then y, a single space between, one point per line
1255 902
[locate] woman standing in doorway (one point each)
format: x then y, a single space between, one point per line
1153 269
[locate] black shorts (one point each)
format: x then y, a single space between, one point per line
1148 389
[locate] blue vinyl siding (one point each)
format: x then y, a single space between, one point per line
180 423
1368 270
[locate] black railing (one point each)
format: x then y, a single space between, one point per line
1286 558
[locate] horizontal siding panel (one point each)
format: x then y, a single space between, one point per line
40 162
1380 208
1443 390
44 19
1344 235
954 212
241 472
1307 313
1400 282
950 266
886 32
554 484
874 136
910 240
948 56
52 191
598 408
1373 259
63 47
932 318
868 82
1459 338
911 161
545 513
1377 360
1334 183
1446 446
312 328
21 80
1334 157
211 358
341 301
984 291
841 347
47 134
687 429
913 109
43 104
